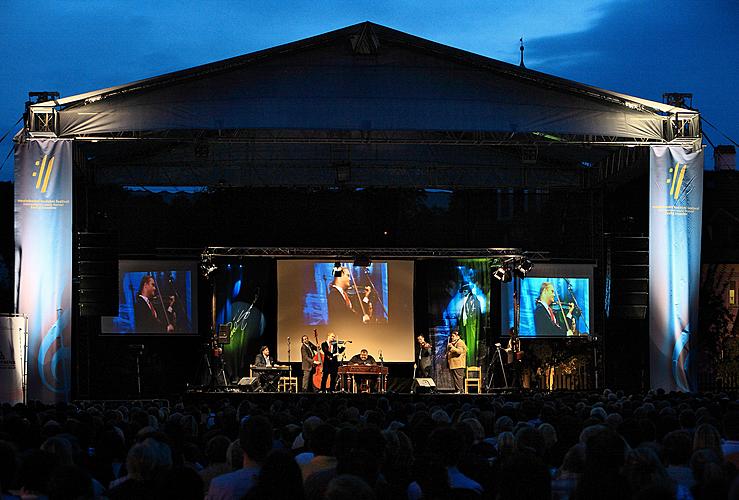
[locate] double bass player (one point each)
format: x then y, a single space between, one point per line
308 356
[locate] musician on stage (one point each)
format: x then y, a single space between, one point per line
307 352
263 358
363 358
546 322
342 312
145 315
424 355
331 352
267 380
456 355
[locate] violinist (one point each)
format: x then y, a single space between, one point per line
423 357
342 312
307 355
146 317
546 321
331 351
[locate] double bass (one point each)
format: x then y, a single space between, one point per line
318 363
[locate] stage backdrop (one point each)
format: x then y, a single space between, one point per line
675 200
43 241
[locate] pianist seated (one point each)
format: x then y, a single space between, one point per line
364 383
263 358
267 379
363 358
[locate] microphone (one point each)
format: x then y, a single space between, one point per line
288 340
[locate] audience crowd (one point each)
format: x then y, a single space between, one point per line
601 446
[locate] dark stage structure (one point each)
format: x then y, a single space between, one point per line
361 143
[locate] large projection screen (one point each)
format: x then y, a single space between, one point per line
371 306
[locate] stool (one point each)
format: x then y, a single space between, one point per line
473 378
287 384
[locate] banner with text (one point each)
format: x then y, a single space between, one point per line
43 245
675 201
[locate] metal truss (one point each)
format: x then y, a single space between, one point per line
461 138
350 253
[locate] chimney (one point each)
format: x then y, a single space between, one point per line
724 158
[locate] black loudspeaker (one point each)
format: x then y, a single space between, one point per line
423 386
97 274
248 384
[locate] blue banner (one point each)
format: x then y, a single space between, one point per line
675 201
43 241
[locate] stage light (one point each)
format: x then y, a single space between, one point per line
503 274
208 269
337 269
362 261
523 267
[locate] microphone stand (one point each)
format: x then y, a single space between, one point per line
382 380
290 368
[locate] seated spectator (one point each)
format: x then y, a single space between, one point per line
215 453
279 479
255 438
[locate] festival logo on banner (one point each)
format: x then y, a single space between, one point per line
43 237
674 264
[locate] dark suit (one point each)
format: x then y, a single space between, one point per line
330 364
341 316
424 357
267 380
544 325
307 351
145 321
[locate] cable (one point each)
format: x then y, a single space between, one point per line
11 129
719 131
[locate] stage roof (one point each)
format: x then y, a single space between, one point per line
364 77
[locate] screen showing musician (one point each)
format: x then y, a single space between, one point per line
552 305
155 298
371 305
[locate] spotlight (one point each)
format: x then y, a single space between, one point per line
362 261
523 267
503 274
337 269
208 268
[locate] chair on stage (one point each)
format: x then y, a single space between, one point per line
473 378
287 384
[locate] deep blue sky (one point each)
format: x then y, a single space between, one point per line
639 47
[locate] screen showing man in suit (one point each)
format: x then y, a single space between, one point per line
371 304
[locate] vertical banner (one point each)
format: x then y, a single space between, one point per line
43 241
675 206
12 341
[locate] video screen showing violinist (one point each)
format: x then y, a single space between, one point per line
556 305
155 298
371 305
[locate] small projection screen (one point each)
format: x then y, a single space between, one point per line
371 306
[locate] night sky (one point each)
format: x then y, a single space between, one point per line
639 47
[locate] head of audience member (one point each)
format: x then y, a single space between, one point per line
523 476
279 478
349 487
642 469
179 483
707 437
147 458
677 448
255 439
70 481
322 440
